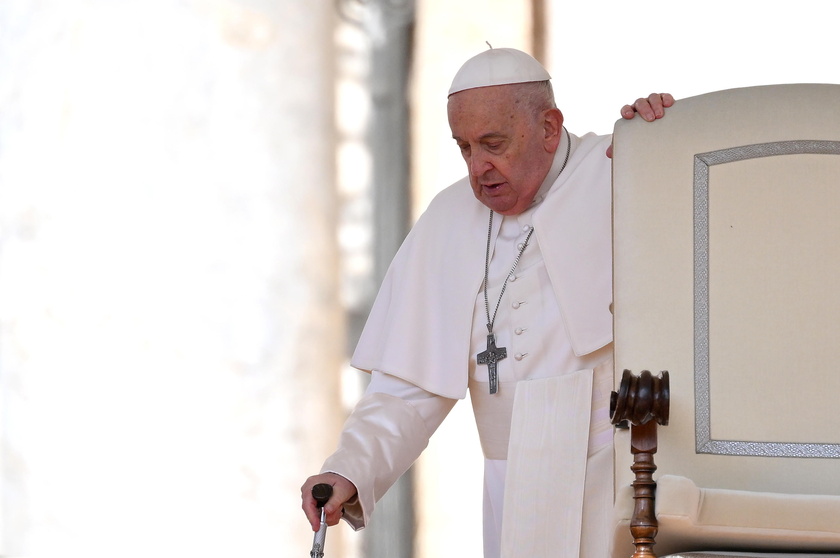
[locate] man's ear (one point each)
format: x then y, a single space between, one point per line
553 127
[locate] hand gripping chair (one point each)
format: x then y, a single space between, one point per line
727 276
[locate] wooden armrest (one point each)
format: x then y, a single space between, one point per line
643 401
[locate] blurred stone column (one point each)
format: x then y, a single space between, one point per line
390 26
170 327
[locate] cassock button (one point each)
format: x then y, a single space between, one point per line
520 356
526 228
515 305
518 331
520 246
511 277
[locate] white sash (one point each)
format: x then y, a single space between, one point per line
546 472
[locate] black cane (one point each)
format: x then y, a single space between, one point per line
321 493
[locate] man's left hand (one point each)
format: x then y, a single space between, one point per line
649 108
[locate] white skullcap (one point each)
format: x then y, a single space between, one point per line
498 66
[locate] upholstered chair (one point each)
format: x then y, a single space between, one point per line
727 276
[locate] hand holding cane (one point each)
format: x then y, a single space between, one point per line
321 493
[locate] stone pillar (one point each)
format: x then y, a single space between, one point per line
389 28
170 329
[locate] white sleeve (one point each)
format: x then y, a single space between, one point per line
386 432
431 408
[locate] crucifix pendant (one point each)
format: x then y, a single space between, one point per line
490 357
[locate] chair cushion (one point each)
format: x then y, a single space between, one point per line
692 518
746 555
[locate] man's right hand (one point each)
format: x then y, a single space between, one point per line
343 490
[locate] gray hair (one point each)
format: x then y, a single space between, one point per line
535 96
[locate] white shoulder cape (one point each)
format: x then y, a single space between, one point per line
419 326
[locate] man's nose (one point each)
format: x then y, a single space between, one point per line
479 164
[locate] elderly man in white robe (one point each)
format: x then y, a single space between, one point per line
502 288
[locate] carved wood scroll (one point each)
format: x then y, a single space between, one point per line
642 401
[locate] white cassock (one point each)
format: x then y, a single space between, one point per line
548 492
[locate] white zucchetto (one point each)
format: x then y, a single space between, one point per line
498 66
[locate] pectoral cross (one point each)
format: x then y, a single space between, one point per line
490 357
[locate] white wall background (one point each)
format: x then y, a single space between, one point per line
605 54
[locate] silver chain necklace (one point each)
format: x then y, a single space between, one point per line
491 321
494 354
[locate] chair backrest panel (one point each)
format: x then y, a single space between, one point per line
727 274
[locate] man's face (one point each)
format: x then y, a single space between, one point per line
505 146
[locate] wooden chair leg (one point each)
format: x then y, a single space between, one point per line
644 526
